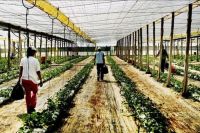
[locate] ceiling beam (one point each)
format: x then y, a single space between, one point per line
54 12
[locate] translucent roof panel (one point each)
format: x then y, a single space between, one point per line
105 21
109 20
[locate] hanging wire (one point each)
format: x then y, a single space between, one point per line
27 13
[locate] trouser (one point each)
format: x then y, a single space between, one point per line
162 65
31 91
100 71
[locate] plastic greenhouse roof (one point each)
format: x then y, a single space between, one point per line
105 21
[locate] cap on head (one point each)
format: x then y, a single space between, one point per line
33 49
99 48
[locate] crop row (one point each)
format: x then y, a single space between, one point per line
14 73
193 92
5 94
191 75
143 109
58 105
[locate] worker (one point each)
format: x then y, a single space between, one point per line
163 60
29 75
100 62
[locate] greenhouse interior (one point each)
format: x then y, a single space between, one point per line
99 66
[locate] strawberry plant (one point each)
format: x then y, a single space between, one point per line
57 105
144 110
193 91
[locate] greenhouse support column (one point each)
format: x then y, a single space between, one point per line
4 42
9 47
46 48
40 46
181 47
148 70
191 49
197 49
138 49
185 80
51 47
55 49
170 51
20 46
59 48
129 49
154 48
121 47
141 49
133 47
161 46
35 41
0 51
28 39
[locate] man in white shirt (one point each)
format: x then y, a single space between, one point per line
29 75
100 62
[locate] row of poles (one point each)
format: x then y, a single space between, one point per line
134 43
58 47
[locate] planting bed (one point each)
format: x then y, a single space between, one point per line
9 114
100 108
182 114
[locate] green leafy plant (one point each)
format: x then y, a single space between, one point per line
57 105
144 110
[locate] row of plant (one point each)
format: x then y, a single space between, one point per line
191 75
7 76
144 110
3 65
63 59
57 107
5 94
47 75
193 91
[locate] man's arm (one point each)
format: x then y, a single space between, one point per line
40 78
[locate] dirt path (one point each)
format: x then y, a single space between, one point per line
183 115
99 108
9 121
190 81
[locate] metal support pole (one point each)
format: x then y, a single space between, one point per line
40 46
51 47
20 46
46 49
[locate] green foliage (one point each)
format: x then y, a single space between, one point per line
191 75
6 93
143 109
57 104
193 91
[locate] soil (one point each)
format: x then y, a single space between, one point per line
183 114
9 114
99 108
